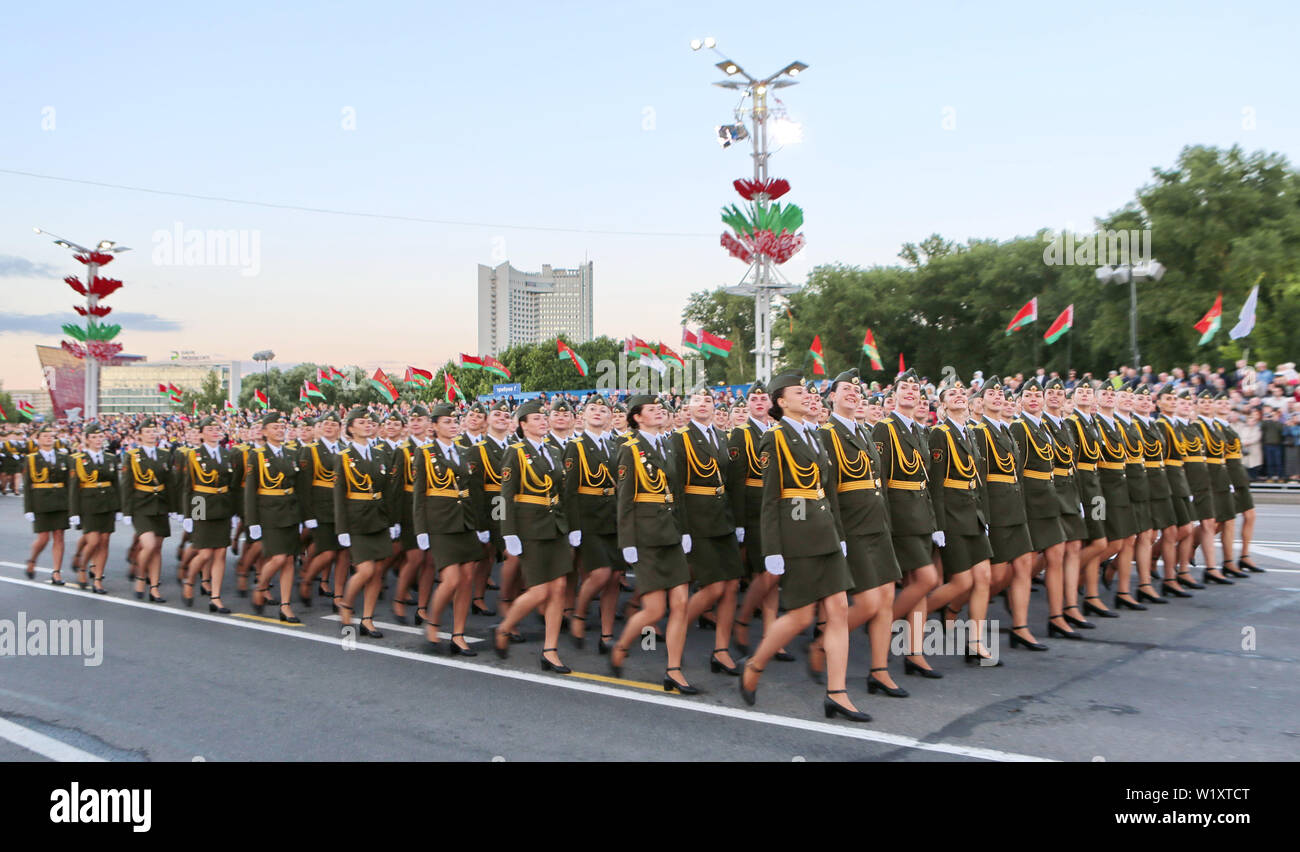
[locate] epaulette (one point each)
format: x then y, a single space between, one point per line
630 441
516 445
680 430
943 426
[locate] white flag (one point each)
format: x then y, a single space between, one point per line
653 363
1246 320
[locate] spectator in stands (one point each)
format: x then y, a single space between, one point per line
1251 450
1270 430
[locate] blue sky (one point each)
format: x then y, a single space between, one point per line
582 116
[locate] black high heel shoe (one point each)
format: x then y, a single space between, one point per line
218 606
1249 564
258 607
1185 580
189 599
716 665
603 646
742 647
1077 622
706 624
372 631
1127 604
288 619
1107 578
139 594
155 598
1233 572
480 610
1018 642
31 570
1053 630
56 576
456 651
497 636
98 588
910 667
783 657
304 599
1149 597
670 683
1170 591
578 641
432 646
1208 578
617 668
874 686
832 708
1093 609
750 696
978 658
205 589
548 666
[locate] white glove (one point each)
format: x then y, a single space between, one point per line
173 516
117 518
345 540
1231 489
686 544
422 541
311 523
938 538
986 526
234 522
188 525
483 536
740 534
844 548
30 516
513 545
1081 514
394 531
255 532
75 520
629 555
575 538
775 564
125 519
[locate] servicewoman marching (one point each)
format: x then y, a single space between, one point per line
535 530
1139 495
1225 500
1168 425
700 472
746 487
803 544
208 506
1087 440
272 513
315 489
94 502
1159 502
148 499
45 499
1214 500
1121 519
1240 480
486 465
1067 480
414 564
363 518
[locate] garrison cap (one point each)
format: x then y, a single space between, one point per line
442 409
501 405
561 404
1205 393
272 417
92 429
1165 390
355 414
950 382
620 408
1183 393
209 421
419 411
781 382
909 375
46 427
755 389
478 408
992 383
331 416
1142 390
596 399
149 423
1054 383
532 406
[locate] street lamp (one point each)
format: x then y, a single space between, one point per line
1131 274
759 280
93 259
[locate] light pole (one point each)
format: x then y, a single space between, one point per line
265 356
759 281
95 288
1131 274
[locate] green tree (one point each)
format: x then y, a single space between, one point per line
729 316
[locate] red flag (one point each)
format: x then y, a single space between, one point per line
901 368
1024 316
450 388
381 383
819 360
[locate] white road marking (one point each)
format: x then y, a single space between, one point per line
43 745
404 628
559 681
1273 553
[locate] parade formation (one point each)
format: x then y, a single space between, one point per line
826 506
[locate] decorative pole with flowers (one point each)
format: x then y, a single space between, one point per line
93 343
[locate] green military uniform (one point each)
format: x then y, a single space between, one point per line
1087 443
210 494
271 499
1175 450
1065 477
700 463
999 470
148 489
590 497
93 494
1120 519
486 463
1159 499
444 503
364 504
315 488
903 450
801 519
531 489
958 510
1036 464
1238 477
1212 447
45 489
647 515
745 484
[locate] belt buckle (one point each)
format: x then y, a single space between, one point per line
554 501
970 485
668 496
820 494
718 491
607 492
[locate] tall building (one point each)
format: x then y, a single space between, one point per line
530 307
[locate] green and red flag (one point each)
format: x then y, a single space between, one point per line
1024 316
450 388
310 389
565 352
665 352
712 344
336 376
419 378
384 385
259 397
484 362
175 393
1209 324
323 377
819 360
691 340
1063 323
230 407
637 346
4 415
25 409
869 349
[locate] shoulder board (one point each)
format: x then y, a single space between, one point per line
681 430
516 445
942 427
133 451
630 441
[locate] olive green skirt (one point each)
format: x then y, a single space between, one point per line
913 551
1241 499
1224 508
714 559
872 562
209 535
1008 543
324 537
455 548
1203 506
99 522
280 541
808 579
156 524
963 552
1074 527
370 547
545 559
659 568
50 521
1162 513
1120 520
1182 510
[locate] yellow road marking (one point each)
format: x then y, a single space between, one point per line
264 618
639 684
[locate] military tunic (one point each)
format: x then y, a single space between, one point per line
271 499
92 492
209 495
148 490
648 517
45 490
701 464
443 506
1004 503
854 476
590 499
903 453
531 488
958 513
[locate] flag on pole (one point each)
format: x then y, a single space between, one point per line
711 344
450 388
901 368
259 397
26 410
486 362
418 377
665 352
565 352
162 389
869 349
174 392
1209 324
336 375
384 385
310 389
691 340
1024 316
4 415
323 377
1063 323
819 360
638 346
1246 319
230 407
302 393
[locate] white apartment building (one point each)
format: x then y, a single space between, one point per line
517 307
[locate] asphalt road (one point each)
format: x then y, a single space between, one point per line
1179 682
